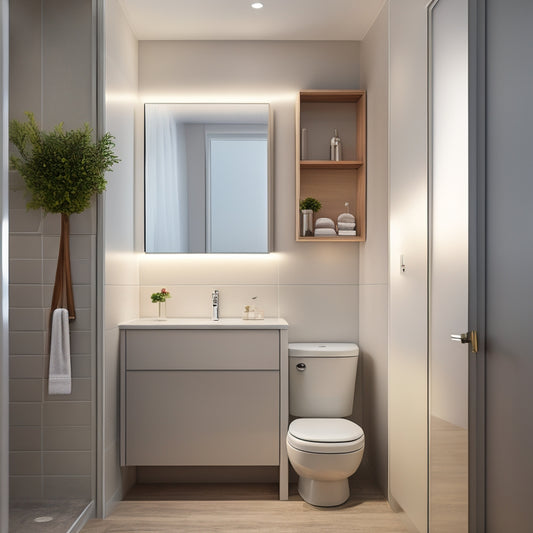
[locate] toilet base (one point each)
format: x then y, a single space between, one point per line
323 493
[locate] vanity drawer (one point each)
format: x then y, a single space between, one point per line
202 350
199 418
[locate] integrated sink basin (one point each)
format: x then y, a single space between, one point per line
205 323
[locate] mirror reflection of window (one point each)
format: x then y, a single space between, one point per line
207 178
237 207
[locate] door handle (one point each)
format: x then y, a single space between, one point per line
470 337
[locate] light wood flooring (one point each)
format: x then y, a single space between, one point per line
241 508
448 508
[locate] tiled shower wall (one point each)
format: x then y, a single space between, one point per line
51 437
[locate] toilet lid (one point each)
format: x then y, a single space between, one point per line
325 435
325 429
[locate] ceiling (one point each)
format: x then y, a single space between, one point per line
318 20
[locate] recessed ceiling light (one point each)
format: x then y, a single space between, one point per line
257 5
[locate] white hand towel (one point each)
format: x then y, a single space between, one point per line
325 232
325 223
347 232
346 225
59 377
346 217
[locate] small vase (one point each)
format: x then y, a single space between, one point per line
162 310
306 223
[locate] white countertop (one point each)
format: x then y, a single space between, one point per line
205 323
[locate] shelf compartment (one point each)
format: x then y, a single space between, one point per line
332 183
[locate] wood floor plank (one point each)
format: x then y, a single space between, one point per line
208 513
448 509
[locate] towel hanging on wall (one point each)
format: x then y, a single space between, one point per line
59 376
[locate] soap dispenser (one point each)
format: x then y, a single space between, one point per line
335 148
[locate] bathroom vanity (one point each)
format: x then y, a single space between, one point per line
195 392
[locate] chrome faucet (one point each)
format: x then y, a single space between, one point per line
214 299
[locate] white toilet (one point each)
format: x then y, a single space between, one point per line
324 449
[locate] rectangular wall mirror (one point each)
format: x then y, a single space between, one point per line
207 181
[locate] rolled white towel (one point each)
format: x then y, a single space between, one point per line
325 232
324 223
346 225
346 217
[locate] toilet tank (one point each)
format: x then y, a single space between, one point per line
322 379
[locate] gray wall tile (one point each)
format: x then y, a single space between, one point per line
67 414
62 487
26 343
25 58
81 343
25 414
26 366
25 439
25 271
66 438
81 366
25 390
26 319
25 487
27 296
25 246
25 463
24 221
67 463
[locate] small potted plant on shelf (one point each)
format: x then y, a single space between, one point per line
160 298
307 208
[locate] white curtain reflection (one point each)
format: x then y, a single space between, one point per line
166 214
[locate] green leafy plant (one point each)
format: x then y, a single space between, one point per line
310 203
62 169
160 296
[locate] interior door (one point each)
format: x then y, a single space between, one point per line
448 267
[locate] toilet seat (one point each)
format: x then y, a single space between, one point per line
325 435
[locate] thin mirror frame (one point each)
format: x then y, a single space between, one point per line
270 178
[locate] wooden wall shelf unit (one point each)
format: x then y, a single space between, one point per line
332 182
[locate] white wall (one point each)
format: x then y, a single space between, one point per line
121 298
313 285
373 254
408 237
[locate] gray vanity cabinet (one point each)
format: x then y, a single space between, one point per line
197 397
